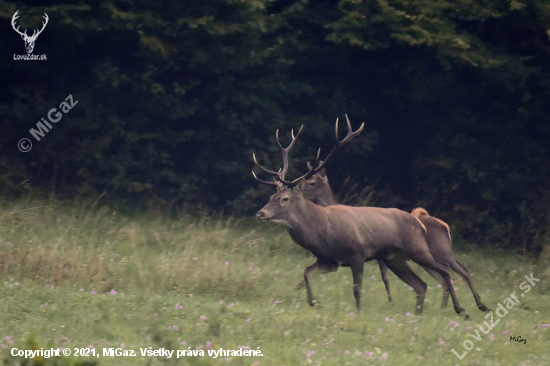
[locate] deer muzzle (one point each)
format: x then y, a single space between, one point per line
262 216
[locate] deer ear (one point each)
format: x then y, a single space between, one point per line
322 173
301 185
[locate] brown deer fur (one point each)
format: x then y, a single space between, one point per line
438 237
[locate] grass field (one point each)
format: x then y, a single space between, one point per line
77 275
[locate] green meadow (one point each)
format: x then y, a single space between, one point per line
86 276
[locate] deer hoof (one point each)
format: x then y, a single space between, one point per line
462 312
315 303
419 310
484 308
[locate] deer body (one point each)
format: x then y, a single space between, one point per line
438 238
341 235
348 236
343 231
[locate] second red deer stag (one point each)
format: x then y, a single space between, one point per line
317 189
348 236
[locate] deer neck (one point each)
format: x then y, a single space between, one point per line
327 198
307 225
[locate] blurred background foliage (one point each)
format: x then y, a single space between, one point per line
173 98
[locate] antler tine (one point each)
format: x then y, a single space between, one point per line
316 167
350 134
264 181
339 143
286 150
270 172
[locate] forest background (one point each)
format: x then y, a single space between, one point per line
174 97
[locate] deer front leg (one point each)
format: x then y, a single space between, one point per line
324 268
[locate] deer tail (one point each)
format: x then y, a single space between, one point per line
419 211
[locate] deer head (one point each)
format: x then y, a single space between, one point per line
318 190
282 204
289 199
29 40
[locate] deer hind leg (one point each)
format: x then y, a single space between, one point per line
403 270
385 277
446 293
323 268
465 274
426 260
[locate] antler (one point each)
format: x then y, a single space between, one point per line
317 164
281 173
275 183
15 16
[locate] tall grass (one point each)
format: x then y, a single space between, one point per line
82 274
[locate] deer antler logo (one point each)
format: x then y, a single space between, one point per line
29 41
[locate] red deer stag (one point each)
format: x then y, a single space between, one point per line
317 189
348 236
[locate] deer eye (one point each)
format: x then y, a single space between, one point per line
285 199
312 184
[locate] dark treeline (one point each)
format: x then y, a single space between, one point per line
174 96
